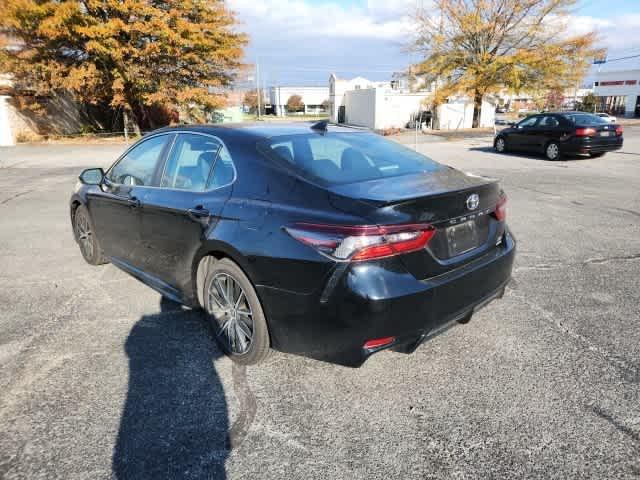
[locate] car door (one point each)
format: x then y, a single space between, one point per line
196 182
547 129
522 137
115 206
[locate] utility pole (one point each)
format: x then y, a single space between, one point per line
258 92
125 121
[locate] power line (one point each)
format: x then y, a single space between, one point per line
621 58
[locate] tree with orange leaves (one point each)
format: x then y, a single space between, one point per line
478 47
131 54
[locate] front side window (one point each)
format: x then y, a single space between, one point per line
528 122
189 164
336 158
138 165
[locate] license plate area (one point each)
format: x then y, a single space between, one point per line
462 238
605 134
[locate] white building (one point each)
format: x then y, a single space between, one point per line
382 105
618 92
6 132
458 113
338 87
312 97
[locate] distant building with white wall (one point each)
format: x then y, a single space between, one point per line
383 105
458 113
6 130
312 97
337 89
618 92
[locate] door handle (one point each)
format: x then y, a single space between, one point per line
198 212
133 202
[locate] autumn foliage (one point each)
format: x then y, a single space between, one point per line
129 54
477 47
295 103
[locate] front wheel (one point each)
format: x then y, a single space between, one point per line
86 237
235 313
500 145
552 151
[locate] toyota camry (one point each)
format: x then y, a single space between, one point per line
312 239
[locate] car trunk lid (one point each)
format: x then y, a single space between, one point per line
458 205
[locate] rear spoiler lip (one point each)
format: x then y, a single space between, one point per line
339 190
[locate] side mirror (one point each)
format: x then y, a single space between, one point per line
92 176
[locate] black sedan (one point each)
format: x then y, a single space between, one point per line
559 134
317 240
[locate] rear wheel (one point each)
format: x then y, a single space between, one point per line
552 151
596 154
500 145
235 313
86 237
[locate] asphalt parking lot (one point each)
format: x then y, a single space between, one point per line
101 379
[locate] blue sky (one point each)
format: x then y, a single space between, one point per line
302 41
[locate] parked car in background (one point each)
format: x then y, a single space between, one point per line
323 241
606 116
559 134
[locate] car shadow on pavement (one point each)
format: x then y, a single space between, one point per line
175 421
529 156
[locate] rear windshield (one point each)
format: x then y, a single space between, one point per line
585 119
337 158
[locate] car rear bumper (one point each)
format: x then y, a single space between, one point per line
592 145
367 301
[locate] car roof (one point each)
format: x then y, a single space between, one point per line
257 130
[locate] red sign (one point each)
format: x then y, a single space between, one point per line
618 82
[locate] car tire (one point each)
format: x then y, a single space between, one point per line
552 151
230 301
500 144
596 154
85 236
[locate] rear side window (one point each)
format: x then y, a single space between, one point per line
138 165
335 158
548 121
585 119
223 171
190 162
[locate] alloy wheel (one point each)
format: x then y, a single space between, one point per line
552 151
228 303
84 235
500 145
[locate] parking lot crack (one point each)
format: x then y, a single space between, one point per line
614 258
629 369
240 427
617 424
589 261
13 197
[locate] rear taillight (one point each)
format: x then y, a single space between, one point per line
585 132
362 242
378 343
501 209
619 130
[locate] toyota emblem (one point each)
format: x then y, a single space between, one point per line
473 201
